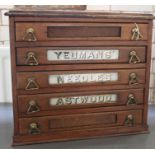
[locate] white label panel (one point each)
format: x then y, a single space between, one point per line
83 78
91 99
82 55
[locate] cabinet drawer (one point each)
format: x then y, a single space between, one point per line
80 31
40 103
73 55
37 80
38 125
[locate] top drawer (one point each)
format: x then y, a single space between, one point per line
35 31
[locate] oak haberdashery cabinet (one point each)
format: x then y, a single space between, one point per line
79 74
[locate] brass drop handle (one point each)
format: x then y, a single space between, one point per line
34 128
129 120
30 35
133 57
33 107
133 79
136 35
131 100
31 59
31 84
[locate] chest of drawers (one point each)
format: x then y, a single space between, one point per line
79 74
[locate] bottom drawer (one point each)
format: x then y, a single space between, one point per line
39 125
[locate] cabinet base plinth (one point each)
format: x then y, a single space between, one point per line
77 135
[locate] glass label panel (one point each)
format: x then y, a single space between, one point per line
83 78
82 55
90 99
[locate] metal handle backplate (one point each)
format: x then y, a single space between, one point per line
131 100
31 59
133 79
31 84
133 57
136 34
33 107
34 128
30 35
129 120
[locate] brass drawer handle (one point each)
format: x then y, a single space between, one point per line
33 107
30 35
31 84
133 79
129 120
31 59
136 35
133 58
34 128
131 100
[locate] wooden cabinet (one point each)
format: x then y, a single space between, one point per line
79 74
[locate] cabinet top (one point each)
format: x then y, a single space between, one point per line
78 14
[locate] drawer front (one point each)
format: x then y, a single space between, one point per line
36 104
73 55
37 80
80 31
38 125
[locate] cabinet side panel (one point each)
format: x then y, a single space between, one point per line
13 71
148 59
